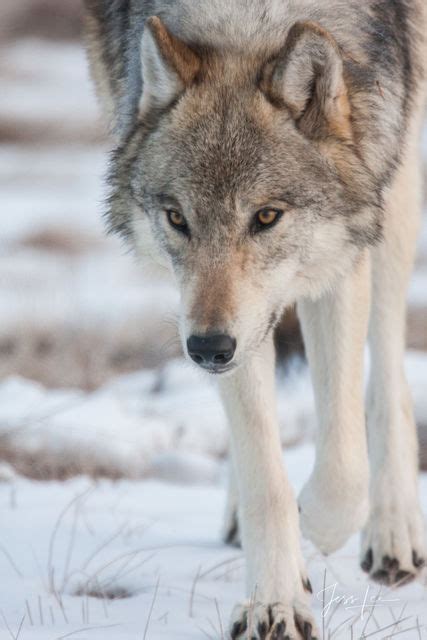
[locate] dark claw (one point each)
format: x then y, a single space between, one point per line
239 628
307 586
368 561
231 536
403 577
262 630
390 564
304 627
270 617
279 631
381 576
417 561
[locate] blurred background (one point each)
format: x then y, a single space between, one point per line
81 326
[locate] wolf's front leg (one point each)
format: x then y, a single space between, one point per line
334 502
277 584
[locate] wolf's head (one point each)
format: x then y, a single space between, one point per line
243 176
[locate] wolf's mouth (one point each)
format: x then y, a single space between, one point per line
220 370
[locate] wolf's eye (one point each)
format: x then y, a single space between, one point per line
265 218
177 221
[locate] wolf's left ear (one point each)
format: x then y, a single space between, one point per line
168 66
307 77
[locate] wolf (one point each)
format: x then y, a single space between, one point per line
266 153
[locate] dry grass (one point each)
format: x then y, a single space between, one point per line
61 354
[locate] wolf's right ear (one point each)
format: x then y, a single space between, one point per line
168 66
307 77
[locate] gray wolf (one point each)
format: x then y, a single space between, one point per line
266 153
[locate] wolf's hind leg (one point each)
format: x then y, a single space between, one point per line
334 502
393 546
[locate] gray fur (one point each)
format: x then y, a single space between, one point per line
382 33
235 137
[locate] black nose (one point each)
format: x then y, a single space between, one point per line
212 351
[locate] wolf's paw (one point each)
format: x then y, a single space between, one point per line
393 546
332 510
255 621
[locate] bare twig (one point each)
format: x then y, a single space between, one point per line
40 611
73 633
365 626
50 569
214 629
393 624
399 617
397 633
218 565
61 606
18 633
205 633
122 556
332 633
132 569
221 628
11 561
70 546
334 610
7 625
193 591
30 617
150 613
419 629
103 545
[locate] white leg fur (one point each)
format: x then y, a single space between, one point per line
334 502
268 511
393 545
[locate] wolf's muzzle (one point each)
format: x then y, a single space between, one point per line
212 352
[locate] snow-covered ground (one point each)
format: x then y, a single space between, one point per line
166 423
143 560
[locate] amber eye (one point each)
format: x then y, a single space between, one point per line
177 220
266 218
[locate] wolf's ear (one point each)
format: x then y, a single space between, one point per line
307 77
168 65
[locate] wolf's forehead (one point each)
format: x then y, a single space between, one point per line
219 152
241 162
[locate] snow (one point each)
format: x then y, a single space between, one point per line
125 547
146 424
47 86
135 426
96 556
